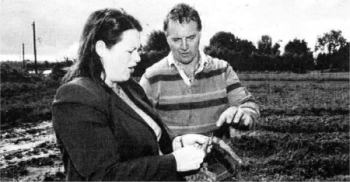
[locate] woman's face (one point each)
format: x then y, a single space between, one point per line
120 60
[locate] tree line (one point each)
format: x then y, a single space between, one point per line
243 55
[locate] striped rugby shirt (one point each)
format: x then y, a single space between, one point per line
194 107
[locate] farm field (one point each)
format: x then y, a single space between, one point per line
287 76
302 135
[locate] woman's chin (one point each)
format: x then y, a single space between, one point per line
132 70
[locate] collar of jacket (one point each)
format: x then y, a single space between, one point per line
136 94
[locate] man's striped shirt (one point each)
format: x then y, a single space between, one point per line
195 107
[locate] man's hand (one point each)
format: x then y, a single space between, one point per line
238 117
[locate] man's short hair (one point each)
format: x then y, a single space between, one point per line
183 13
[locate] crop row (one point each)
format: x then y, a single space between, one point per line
310 166
306 98
293 156
267 143
303 86
295 77
304 111
305 124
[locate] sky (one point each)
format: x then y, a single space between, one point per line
59 23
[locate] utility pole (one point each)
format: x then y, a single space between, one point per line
23 56
34 40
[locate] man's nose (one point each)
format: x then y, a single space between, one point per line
184 45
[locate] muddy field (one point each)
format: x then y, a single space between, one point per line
303 135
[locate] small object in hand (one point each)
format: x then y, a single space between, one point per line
208 143
229 155
181 142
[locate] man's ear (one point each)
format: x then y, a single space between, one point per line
167 38
200 35
100 48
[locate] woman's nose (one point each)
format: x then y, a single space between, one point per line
137 58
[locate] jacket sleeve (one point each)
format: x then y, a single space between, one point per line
82 126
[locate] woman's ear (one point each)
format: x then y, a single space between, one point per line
100 48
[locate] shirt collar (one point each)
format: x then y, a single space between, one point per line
203 60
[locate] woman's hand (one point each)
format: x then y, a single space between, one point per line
194 140
188 158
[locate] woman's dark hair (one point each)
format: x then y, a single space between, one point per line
106 25
183 13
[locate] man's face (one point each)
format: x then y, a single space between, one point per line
183 40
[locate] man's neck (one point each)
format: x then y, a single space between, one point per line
190 67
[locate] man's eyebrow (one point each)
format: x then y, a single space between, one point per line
136 47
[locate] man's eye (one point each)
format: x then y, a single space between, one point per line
191 37
176 40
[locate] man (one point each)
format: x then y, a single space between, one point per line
193 92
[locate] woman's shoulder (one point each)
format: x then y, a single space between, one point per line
81 90
80 84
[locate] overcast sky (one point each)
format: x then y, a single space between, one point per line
59 23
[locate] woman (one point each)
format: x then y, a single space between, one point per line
103 121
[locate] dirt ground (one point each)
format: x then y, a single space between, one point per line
29 153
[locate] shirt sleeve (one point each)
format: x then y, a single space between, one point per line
91 146
238 95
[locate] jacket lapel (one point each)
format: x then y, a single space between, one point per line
136 93
122 105
139 97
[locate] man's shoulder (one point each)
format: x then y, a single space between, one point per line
160 68
216 63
